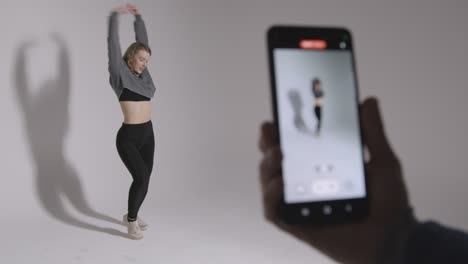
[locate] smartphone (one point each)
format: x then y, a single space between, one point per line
315 99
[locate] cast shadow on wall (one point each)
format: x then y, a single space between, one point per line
46 120
297 107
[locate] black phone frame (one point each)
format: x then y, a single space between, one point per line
282 36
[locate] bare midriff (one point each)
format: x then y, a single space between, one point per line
318 101
136 112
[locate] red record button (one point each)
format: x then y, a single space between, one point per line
313 44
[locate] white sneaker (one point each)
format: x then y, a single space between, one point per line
134 231
143 225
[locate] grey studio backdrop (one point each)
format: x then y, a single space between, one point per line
64 187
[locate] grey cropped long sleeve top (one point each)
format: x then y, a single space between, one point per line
120 74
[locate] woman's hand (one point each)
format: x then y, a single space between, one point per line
129 8
133 9
121 9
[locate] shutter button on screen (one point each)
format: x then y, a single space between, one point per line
325 187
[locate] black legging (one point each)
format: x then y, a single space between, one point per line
135 144
318 114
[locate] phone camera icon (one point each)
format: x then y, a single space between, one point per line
343 45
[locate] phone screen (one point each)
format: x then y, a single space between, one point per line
318 122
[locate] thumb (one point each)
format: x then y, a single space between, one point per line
373 132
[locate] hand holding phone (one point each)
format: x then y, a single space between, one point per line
357 242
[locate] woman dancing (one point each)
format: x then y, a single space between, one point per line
133 85
318 95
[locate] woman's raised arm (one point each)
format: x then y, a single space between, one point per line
140 29
113 44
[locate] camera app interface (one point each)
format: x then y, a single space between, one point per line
318 124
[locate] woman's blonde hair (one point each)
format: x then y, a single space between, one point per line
133 49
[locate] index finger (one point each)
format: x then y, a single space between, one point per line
268 136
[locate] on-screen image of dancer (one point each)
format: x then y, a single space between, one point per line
318 103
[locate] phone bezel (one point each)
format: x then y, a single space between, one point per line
280 36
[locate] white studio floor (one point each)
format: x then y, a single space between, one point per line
178 235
